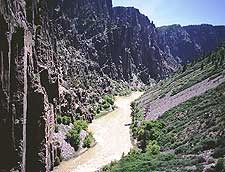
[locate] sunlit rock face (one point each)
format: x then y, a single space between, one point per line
190 42
121 40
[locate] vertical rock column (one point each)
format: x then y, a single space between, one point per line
28 86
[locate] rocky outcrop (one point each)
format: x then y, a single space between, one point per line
42 73
190 42
135 46
122 41
61 57
28 86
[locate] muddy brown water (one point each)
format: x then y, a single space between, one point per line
113 139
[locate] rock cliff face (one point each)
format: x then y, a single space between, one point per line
28 85
135 46
121 40
189 42
61 57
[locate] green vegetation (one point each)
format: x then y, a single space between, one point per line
105 106
109 99
74 138
195 125
153 148
64 119
88 140
146 162
80 125
148 133
188 130
209 66
73 135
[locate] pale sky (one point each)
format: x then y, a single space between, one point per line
184 12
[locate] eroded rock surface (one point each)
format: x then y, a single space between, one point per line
61 57
190 42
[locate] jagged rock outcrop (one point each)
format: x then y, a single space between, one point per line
190 42
61 57
121 40
28 85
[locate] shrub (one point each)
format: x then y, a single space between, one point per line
106 105
149 131
166 156
182 149
74 138
80 125
109 99
220 141
66 120
133 104
88 140
63 120
98 110
209 143
153 148
134 151
59 119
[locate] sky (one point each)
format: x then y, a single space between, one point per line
184 12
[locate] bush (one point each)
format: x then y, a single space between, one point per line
63 120
109 99
106 105
80 125
74 138
59 119
98 110
74 134
153 148
209 143
88 140
66 120
182 149
149 131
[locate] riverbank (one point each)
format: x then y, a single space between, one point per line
112 135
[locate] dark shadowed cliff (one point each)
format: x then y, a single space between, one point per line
60 57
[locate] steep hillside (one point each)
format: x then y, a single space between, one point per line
44 75
187 132
189 42
187 138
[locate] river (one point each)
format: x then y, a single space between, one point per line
112 135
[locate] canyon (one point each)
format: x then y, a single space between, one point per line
60 57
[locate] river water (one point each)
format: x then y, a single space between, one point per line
112 135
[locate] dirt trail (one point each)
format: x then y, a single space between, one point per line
156 108
113 139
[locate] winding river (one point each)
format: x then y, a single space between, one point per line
113 139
